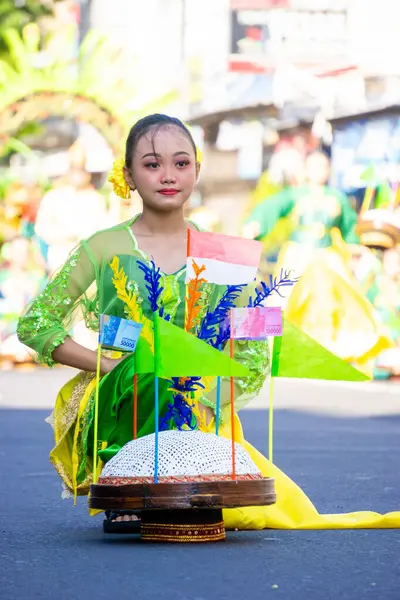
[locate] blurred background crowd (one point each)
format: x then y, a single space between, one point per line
295 105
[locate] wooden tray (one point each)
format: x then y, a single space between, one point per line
167 496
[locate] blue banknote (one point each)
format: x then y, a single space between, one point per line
119 334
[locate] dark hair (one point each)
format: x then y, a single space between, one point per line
151 122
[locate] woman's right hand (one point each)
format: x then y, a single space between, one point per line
108 364
74 355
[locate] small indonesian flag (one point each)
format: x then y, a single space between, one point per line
227 260
256 323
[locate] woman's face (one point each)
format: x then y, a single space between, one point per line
317 169
164 169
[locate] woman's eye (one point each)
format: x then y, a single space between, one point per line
152 165
183 163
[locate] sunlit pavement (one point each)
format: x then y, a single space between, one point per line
31 387
339 442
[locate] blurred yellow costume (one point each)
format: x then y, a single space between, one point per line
327 302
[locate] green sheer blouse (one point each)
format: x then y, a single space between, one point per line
98 277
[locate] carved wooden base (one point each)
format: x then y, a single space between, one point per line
182 512
169 496
182 526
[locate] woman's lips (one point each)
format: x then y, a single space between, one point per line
169 192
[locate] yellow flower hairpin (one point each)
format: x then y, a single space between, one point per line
117 178
199 155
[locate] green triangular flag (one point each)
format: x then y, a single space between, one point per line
181 354
297 355
383 196
143 357
370 175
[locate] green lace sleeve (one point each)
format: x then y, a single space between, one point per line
255 355
48 319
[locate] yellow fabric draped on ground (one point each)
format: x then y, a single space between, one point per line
293 509
327 304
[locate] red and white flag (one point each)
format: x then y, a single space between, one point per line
227 260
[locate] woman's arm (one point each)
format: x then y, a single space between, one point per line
266 215
49 318
72 354
46 323
348 221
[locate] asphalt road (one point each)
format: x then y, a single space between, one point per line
51 550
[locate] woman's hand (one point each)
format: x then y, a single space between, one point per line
74 355
108 364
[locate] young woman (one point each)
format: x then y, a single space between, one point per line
107 274
327 302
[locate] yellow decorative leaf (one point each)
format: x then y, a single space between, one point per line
129 298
